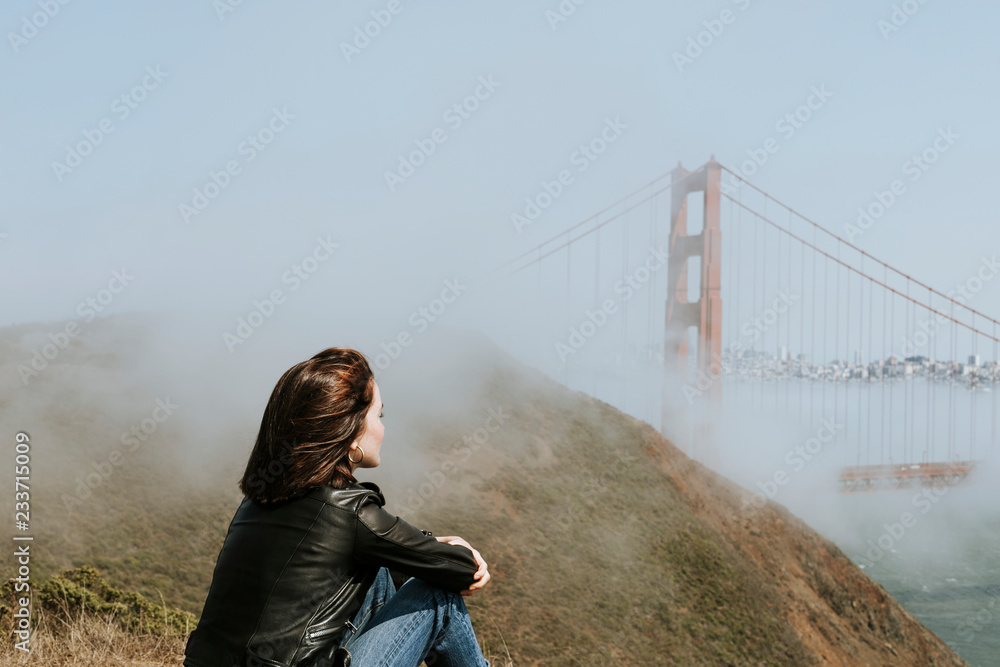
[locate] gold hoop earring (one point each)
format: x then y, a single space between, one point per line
359 460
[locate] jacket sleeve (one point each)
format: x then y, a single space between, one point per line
386 540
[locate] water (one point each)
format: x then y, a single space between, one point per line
937 552
944 567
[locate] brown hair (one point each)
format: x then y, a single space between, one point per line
315 412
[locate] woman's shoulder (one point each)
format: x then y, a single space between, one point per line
350 497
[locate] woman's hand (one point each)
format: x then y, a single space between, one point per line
482 574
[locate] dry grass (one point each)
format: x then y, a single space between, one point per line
78 618
607 544
88 640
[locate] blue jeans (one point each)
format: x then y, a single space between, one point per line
419 622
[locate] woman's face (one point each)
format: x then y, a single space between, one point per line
371 441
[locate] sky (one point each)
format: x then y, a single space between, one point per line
225 143
214 162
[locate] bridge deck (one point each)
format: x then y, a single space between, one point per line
861 479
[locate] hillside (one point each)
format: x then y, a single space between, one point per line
607 545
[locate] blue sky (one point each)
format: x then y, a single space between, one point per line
224 74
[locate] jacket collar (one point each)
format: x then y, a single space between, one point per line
348 497
373 487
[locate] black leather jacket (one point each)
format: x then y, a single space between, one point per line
290 577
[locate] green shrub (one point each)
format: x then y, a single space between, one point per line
83 591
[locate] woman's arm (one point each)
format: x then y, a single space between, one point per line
386 540
482 575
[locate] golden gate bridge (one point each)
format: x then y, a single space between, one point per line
812 325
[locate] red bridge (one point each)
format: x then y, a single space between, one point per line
857 479
799 324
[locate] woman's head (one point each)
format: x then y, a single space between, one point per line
322 415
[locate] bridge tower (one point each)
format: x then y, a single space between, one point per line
706 312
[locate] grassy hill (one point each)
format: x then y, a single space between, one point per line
607 545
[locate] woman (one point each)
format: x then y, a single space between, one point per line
303 576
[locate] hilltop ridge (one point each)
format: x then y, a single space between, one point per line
606 543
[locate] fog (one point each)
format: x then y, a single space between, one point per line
258 182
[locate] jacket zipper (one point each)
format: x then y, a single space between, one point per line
326 631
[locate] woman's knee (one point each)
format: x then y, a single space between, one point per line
434 595
384 578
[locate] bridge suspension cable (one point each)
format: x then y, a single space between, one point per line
850 245
850 306
872 278
595 216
